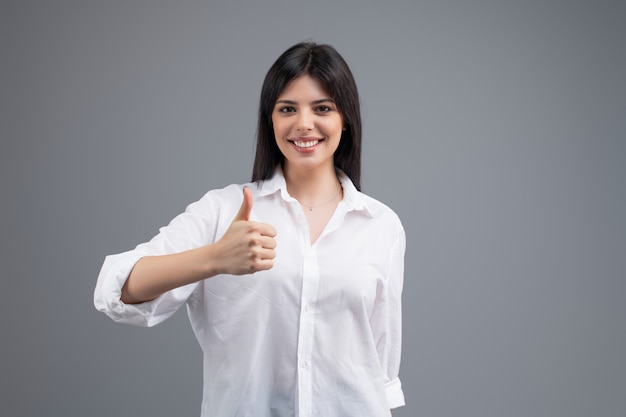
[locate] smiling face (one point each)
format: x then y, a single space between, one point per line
307 125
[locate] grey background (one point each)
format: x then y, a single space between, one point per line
495 129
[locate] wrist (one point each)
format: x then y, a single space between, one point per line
209 261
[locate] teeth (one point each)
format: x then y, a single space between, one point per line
306 144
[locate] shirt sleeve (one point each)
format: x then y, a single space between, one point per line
193 228
387 325
114 273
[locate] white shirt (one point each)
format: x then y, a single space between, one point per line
318 335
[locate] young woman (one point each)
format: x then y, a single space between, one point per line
293 282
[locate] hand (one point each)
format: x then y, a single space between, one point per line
246 247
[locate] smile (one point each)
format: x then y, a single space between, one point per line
306 145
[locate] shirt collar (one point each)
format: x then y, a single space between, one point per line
351 196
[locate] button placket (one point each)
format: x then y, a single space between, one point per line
310 284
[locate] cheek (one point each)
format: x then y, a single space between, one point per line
333 127
278 127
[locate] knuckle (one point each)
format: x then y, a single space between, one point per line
253 241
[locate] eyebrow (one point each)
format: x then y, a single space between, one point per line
324 100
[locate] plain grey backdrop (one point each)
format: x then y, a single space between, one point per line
495 129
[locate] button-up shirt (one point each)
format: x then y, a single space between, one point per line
317 335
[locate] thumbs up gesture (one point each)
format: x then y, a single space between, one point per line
246 247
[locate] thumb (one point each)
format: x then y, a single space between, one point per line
246 206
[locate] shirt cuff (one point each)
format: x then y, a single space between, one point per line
395 396
107 297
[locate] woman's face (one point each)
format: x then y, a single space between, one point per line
307 125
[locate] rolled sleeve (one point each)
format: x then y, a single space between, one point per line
395 395
107 295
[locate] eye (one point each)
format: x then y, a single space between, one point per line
286 109
323 108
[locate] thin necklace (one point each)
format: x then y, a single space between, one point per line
323 204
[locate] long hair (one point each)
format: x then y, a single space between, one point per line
323 63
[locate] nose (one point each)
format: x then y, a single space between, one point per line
305 121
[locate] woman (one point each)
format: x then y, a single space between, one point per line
294 291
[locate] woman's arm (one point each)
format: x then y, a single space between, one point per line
245 248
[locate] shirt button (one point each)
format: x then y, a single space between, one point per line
304 365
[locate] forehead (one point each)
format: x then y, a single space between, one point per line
304 87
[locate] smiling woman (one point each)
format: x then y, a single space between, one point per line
329 76
293 281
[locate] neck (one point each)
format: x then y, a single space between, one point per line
312 187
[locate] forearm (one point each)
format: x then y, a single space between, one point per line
155 275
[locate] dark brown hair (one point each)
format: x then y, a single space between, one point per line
323 63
